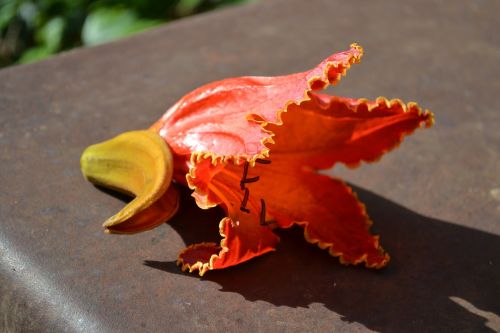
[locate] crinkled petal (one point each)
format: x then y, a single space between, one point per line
223 118
243 237
329 129
327 208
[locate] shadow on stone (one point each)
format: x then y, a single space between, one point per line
432 260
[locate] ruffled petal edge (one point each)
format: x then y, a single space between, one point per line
332 71
329 246
203 267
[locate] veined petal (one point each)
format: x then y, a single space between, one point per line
327 208
329 129
329 211
243 237
224 118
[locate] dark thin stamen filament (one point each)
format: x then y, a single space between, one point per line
263 212
250 180
263 161
244 202
245 173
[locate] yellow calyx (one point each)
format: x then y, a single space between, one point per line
137 163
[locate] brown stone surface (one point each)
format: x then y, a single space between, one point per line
435 201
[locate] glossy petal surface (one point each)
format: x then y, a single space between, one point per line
215 118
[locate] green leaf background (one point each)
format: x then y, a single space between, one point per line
31 30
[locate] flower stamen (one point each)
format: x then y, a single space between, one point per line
263 221
250 180
244 202
262 212
245 173
263 161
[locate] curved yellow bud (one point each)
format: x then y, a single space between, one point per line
137 163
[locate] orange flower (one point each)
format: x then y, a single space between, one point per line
253 145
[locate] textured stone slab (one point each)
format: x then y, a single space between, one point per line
435 201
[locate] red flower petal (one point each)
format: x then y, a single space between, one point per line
330 129
327 208
243 237
223 117
225 123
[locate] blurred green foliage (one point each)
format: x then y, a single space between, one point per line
31 30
